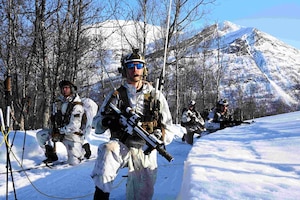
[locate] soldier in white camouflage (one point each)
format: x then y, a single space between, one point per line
124 150
68 127
193 122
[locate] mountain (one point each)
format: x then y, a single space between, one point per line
252 65
262 60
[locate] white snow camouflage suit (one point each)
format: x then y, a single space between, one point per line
114 154
73 138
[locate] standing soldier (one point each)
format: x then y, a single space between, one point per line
67 127
124 150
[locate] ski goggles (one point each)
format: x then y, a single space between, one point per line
137 65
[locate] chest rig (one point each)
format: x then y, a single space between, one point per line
65 118
150 118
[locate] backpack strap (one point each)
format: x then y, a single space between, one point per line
150 119
124 102
84 117
67 116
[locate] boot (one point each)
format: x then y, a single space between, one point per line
50 154
100 195
189 138
87 149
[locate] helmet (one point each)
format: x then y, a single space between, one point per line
69 83
192 103
132 57
223 102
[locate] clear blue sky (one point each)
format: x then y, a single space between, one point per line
279 18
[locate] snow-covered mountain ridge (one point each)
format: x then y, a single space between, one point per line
263 62
254 64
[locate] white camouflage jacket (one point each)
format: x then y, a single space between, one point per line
136 101
74 124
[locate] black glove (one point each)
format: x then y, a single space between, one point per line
112 123
56 136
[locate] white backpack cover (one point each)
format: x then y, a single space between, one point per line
90 109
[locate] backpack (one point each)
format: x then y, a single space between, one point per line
90 110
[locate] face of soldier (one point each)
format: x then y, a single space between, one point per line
66 91
191 107
223 109
134 72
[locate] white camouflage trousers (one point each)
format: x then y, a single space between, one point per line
73 144
142 169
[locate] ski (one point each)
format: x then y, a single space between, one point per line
38 166
53 164
42 165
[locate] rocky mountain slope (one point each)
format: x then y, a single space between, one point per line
254 64
260 61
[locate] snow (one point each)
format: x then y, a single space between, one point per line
249 53
251 161
281 93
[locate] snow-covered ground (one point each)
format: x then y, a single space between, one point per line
256 161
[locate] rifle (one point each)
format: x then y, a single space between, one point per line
132 124
232 123
56 136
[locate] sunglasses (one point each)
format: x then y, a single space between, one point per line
132 65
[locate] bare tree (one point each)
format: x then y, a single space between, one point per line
12 55
184 13
42 42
